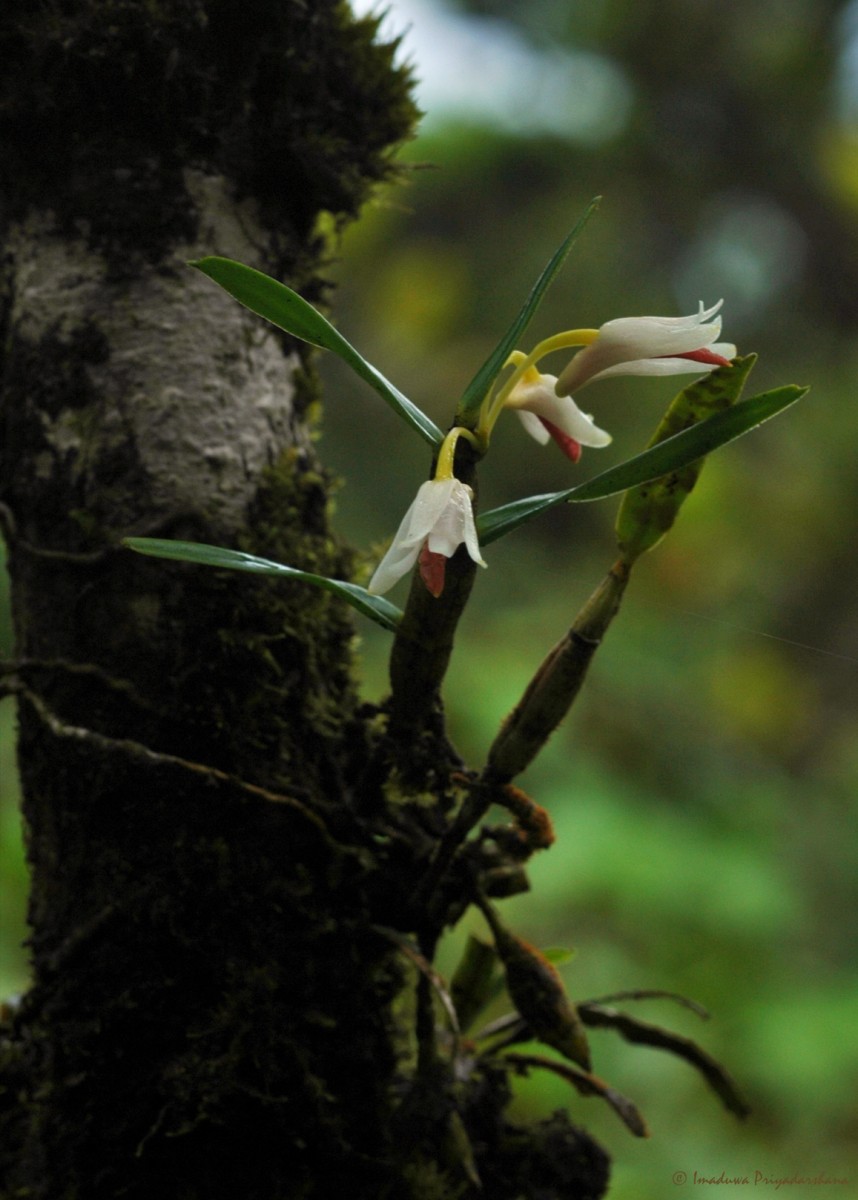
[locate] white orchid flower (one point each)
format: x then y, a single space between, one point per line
649 346
546 415
626 346
438 521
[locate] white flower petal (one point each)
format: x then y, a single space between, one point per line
641 327
469 532
397 562
409 537
634 339
630 341
441 515
530 395
456 525
654 366
533 425
472 543
580 425
446 535
541 401
432 498
667 366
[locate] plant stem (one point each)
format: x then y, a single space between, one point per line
551 692
424 641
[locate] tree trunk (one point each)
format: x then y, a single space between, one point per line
216 1009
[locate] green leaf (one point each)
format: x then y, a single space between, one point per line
287 310
375 607
667 456
476 981
649 510
477 389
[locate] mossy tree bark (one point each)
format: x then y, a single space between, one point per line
213 1009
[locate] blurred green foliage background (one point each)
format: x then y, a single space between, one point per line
703 789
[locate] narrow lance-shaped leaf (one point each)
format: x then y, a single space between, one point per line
476 390
667 456
475 980
287 310
375 607
649 510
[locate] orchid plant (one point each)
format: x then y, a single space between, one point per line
441 519
444 538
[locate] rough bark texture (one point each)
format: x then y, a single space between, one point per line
214 1011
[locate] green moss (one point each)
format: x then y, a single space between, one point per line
427 1181
272 671
297 103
